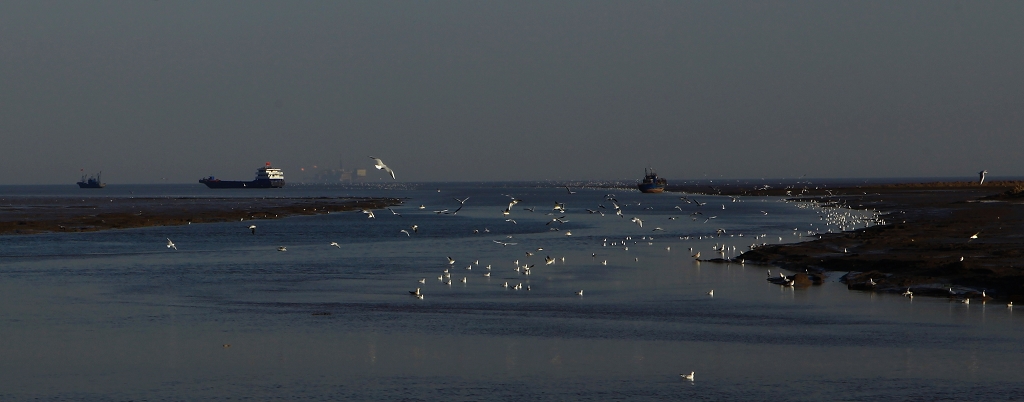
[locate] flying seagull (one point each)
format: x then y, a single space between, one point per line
379 164
369 213
393 212
569 190
252 228
335 244
981 176
170 244
462 203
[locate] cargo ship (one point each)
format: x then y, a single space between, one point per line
652 183
266 177
91 182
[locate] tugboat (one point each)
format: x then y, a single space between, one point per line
266 177
652 183
91 182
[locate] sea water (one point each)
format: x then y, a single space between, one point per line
116 315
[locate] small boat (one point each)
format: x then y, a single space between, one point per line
652 183
91 182
266 177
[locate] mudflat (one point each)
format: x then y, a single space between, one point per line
27 215
937 237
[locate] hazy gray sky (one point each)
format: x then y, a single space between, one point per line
153 91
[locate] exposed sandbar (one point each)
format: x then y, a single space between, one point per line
926 244
27 215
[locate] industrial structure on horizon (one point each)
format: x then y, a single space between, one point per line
318 174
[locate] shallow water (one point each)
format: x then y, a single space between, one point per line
115 315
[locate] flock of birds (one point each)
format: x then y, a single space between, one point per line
832 217
727 244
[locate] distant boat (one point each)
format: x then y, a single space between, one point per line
91 182
652 183
266 177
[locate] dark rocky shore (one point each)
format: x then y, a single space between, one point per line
926 244
26 215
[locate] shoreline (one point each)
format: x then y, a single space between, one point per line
35 214
926 244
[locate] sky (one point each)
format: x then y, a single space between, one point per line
172 91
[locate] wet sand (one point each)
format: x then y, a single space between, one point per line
926 244
27 215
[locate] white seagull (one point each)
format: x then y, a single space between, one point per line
252 228
335 244
687 376
462 203
981 176
379 164
369 213
170 244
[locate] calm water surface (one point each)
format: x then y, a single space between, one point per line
116 315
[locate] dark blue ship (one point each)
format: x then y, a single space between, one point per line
91 182
266 177
652 183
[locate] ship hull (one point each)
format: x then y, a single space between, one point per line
243 184
651 188
91 185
